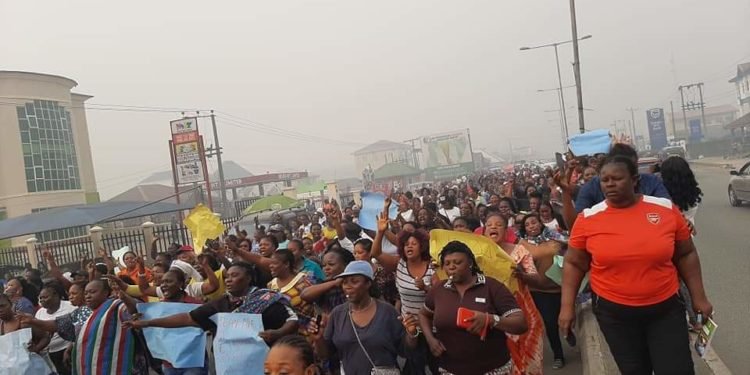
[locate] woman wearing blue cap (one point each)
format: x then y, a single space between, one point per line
366 333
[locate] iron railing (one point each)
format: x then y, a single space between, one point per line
132 237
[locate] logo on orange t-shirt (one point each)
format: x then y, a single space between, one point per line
653 218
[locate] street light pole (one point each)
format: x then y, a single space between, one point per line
562 97
577 65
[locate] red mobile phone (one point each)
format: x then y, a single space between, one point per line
462 317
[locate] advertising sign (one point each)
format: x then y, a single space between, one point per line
187 151
696 133
448 155
657 132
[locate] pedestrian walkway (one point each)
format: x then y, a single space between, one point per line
597 359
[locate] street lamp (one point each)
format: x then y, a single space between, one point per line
559 76
563 117
561 96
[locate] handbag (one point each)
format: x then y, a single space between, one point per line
376 370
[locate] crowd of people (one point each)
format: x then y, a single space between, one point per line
338 298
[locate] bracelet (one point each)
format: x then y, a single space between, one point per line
419 332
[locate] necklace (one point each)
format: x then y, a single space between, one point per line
364 308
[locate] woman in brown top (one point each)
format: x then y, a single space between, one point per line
481 348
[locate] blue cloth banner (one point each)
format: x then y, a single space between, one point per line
590 143
237 347
372 206
15 358
182 347
657 131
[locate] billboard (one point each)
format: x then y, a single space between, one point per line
657 131
189 160
448 155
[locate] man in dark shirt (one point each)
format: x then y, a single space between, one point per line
591 193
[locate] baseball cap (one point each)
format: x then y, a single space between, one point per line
276 228
357 267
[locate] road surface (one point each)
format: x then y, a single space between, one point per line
723 242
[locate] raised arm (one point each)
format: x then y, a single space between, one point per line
54 269
107 259
314 292
172 321
256 259
389 262
212 283
153 251
562 180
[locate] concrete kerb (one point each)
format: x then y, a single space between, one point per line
598 360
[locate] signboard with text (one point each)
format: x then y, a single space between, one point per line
657 131
189 160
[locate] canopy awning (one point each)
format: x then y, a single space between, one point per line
740 122
81 215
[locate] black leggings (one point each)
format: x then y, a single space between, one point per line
646 339
57 359
548 305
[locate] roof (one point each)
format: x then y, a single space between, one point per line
382 145
145 193
232 170
742 70
313 187
158 177
738 123
395 170
33 75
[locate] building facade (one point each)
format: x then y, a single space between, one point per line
742 84
381 153
44 144
717 118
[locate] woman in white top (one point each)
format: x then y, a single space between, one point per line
50 298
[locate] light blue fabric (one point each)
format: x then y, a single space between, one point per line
182 347
16 359
372 206
590 143
237 347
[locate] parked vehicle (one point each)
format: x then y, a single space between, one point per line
739 186
645 164
672 151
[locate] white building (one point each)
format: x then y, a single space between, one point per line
742 83
381 153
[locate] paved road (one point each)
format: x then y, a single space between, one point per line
723 242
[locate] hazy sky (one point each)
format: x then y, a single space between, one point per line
358 71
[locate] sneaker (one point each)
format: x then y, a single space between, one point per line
558 364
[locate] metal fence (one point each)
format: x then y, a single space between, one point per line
68 253
131 237
241 205
13 259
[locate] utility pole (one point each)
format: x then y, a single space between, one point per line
562 96
692 105
684 115
632 124
674 128
221 165
415 159
577 65
703 105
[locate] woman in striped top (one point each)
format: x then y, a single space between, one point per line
414 272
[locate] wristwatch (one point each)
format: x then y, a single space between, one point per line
495 320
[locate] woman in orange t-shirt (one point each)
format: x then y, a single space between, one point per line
635 247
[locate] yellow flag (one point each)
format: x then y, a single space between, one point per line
492 260
203 225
